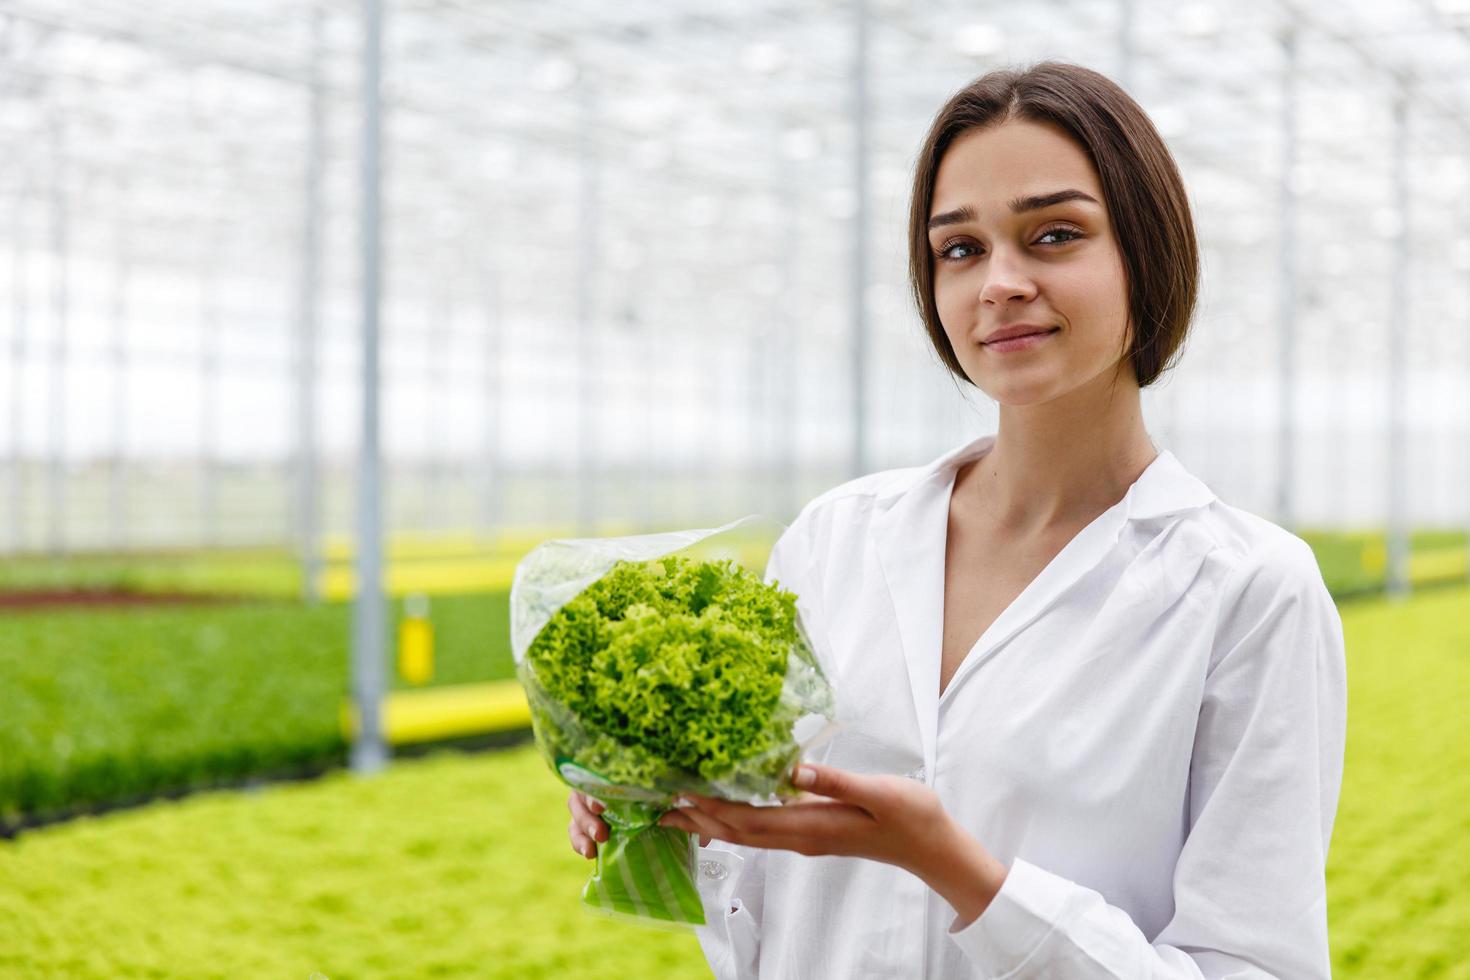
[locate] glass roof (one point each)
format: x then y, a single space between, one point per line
624 233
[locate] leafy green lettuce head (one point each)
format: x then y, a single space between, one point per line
673 671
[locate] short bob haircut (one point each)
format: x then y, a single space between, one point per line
1144 195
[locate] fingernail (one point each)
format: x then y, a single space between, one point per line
684 803
805 776
592 831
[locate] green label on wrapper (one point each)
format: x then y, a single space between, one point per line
591 783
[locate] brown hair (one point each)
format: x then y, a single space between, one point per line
1145 197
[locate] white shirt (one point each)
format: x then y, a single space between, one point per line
1150 737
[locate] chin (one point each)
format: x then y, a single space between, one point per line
1017 393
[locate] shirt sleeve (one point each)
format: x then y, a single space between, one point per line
731 877
1249 888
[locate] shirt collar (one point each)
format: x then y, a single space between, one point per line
1165 487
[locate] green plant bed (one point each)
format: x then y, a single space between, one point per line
1401 846
101 706
266 572
445 867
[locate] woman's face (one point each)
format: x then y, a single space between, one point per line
1000 261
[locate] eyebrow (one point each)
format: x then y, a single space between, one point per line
1034 202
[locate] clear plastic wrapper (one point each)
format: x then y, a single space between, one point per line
659 664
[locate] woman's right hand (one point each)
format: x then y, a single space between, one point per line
587 828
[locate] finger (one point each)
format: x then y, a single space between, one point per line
693 821
747 819
588 829
583 806
741 823
674 820
804 799
798 841
579 840
593 826
867 792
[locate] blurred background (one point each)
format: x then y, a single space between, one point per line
316 317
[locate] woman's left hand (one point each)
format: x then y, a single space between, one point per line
887 819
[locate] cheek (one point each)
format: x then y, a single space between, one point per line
954 313
1097 300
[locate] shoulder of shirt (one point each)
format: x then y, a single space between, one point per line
1264 570
882 485
1257 552
867 493
881 488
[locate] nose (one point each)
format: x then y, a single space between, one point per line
1006 279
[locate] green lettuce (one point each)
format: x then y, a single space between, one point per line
672 671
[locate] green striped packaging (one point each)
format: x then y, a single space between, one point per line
646 875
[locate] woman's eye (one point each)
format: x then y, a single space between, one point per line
1071 233
945 251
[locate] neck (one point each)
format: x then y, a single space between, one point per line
1062 462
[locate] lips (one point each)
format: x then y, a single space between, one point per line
1011 334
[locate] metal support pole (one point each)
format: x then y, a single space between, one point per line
19 313
60 295
1400 319
308 476
18 271
1286 285
753 487
210 326
787 324
644 480
709 489
117 491
859 463
494 395
590 194
435 515
369 753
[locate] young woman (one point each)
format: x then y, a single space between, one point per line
1094 716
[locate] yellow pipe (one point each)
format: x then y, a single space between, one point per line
452 711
